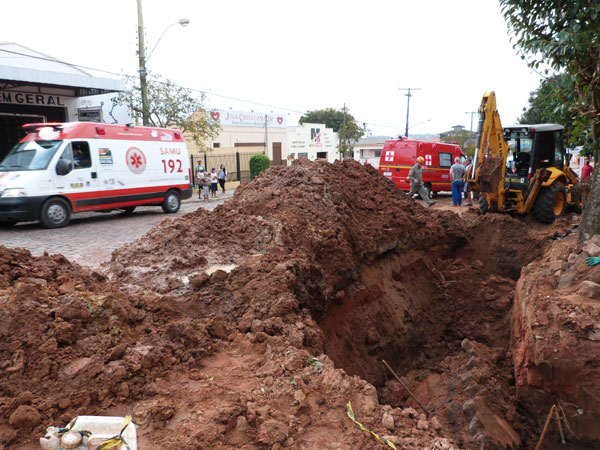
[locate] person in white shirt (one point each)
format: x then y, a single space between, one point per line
214 182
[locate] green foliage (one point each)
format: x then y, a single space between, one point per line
556 101
258 164
171 106
343 123
332 118
565 36
465 138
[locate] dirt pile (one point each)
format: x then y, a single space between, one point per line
73 343
287 246
556 337
252 326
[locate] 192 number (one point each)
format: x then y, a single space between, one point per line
169 166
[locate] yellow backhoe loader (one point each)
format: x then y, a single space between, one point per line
527 175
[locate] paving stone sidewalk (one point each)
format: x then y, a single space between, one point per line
90 238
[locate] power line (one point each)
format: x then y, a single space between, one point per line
204 92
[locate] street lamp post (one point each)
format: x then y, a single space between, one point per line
143 60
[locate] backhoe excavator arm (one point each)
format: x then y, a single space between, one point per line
489 162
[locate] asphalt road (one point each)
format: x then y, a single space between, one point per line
90 238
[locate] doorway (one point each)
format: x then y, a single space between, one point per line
277 154
11 129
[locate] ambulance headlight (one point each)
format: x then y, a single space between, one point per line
13 192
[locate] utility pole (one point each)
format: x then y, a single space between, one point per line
471 112
266 136
143 60
408 104
142 70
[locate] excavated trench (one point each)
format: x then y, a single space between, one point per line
441 318
385 279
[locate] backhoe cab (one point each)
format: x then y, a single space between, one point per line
522 169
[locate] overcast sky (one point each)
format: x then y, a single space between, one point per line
299 56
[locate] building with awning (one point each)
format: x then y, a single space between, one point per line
35 87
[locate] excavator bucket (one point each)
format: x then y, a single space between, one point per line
490 174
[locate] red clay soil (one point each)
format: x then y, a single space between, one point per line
556 338
253 325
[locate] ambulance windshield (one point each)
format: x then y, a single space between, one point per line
31 155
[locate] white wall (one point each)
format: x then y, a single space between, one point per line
111 111
310 140
239 127
367 154
230 135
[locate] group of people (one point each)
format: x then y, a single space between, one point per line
208 182
458 175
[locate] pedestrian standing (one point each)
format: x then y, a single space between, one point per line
222 176
199 173
468 192
586 170
214 182
205 183
416 181
457 172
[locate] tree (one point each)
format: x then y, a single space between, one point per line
564 34
555 101
466 139
171 105
343 123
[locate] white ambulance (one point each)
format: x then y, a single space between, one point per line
63 168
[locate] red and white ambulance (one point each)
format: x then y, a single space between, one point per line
64 168
399 155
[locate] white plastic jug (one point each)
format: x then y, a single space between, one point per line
51 440
104 428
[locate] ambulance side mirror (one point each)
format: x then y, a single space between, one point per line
62 167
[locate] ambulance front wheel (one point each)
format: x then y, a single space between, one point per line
55 213
172 202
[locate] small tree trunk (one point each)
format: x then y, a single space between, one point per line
590 221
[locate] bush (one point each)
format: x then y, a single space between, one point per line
258 164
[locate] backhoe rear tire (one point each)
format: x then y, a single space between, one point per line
550 203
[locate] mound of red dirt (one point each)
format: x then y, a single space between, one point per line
252 326
223 358
556 337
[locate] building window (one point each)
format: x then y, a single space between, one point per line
445 159
377 153
321 155
216 144
303 155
